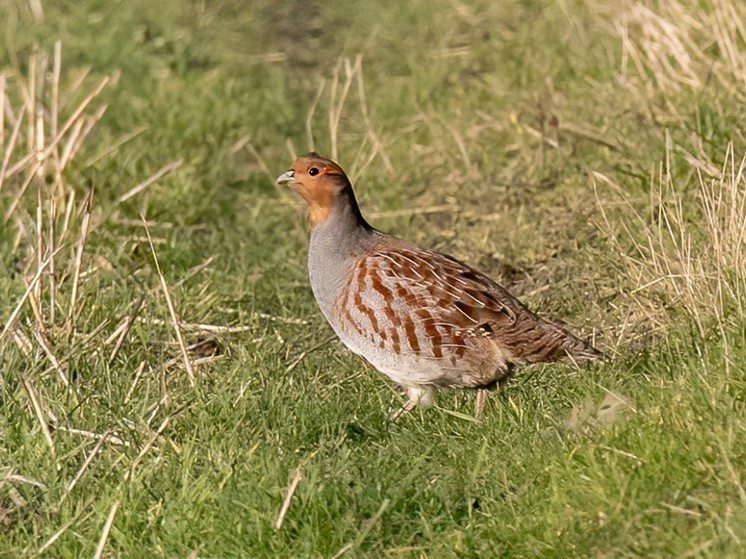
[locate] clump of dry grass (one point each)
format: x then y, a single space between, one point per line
51 226
50 238
347 77
52 323
671 44
54 217
682 250
687 249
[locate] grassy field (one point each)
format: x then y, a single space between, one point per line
589 155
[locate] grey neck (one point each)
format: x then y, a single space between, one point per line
336 245
345 227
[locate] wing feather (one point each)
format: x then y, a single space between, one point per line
435 302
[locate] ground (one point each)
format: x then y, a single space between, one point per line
588 155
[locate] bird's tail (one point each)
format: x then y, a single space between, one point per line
586 353
551 342
576 349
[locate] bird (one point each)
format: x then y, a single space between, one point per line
426 320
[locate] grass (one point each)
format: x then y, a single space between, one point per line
589 155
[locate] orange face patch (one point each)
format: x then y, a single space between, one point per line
320 201
318 180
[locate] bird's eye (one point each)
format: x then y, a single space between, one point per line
313 171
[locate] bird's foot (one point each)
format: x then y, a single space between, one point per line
417 396
482 394
408 406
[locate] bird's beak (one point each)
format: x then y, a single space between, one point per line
286 179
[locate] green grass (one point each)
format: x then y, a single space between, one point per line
575 145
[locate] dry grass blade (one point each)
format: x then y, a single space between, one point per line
51 233
311 112
125 328
107 528
113 439
196 270
219 329
151 441
369 524
38 112
29 97
11 319
198 361
288 497
375 140
78 262
36 9
33 302
57 67
147 182
68 215
2 110
117 144
338 102
84 467
260 160
678 262
44 343
11 145
54 537
194 327
72 139
68 124
413 211
171 309
21 341
38 410
87 129
21 192
344 549
10 476
138 374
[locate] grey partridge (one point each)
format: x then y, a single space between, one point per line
424 319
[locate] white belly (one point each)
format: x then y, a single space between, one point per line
406 369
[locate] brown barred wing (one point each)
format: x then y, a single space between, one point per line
430 304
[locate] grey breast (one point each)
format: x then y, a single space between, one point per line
335 247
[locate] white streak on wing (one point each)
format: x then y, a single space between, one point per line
425 262
466 315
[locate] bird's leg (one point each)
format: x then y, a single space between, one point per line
408 406
417 396
481 402
482 393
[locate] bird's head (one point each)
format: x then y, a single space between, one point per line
320 181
